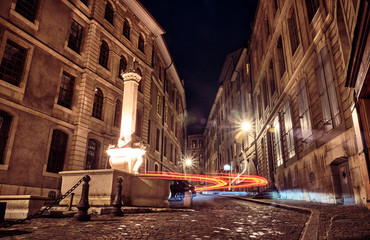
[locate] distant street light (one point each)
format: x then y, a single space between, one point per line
246 126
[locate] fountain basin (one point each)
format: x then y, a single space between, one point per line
135 191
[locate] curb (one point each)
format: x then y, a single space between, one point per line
311 228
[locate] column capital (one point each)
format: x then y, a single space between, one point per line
131 76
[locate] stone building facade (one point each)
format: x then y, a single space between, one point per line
195 152
307 134
61 90
226 142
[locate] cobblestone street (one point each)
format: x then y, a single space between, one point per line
213 218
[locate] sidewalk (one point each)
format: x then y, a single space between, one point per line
326 221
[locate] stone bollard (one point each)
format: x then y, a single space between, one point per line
187 199
117 202
83 205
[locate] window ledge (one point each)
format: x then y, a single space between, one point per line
4 167
49 174
34 26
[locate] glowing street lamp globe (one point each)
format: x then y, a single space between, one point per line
246 126
188 162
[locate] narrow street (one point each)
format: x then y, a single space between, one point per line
214 217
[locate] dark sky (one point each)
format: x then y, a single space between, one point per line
199 34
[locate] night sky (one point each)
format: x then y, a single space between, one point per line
199 34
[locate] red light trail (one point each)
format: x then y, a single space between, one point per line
217 180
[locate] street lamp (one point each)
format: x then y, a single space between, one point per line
246 126
188 162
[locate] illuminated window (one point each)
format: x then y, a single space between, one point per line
278 147
66 91
108 15
289 133
5 121
75 36
304 113
126 29
92 154
12 63
117 113
328 95
57 151
98 104
27 8
166 114
104 54
194 144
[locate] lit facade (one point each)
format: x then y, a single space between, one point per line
307 138
195 152
61 90
226 142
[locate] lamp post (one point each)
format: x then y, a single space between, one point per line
188 162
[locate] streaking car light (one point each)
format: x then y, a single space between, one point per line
216 180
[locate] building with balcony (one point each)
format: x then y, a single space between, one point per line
61 89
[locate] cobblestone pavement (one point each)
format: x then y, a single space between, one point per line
214 217
334 221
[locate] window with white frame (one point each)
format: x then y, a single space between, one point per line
278 147
328 95
304 113
289 133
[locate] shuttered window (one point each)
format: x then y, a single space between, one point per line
304 113
328 95
278 147
289 133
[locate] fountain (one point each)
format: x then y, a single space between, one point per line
125 159
128 156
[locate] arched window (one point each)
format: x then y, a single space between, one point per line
98 104
126 29
109 13
122 66
141 43
117 113
5 121
104 54
92 154
57 151
156 167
